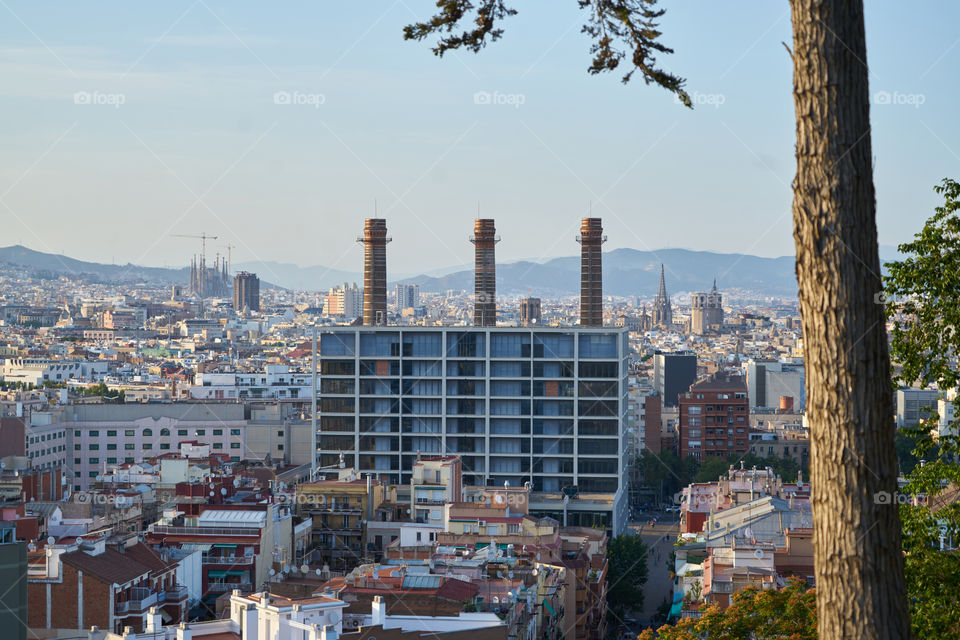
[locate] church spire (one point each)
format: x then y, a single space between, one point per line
662 294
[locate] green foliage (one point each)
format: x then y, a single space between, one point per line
620 31
626 573
922 292
711 469
787 613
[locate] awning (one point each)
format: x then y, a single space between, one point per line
675 610
217 573
549 608
193 546
224 546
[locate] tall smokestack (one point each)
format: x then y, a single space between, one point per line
591 272
374 241
485 273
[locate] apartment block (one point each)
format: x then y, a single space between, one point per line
715 418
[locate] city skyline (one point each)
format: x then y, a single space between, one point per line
231 128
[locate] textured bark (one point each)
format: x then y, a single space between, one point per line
857 552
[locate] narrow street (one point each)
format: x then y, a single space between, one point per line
659 583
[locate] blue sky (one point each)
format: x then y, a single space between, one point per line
124 123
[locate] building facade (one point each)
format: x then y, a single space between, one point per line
408 296
715 418
673 373
544 406
706 312
246 292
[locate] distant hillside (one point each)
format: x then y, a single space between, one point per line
628 272
60 264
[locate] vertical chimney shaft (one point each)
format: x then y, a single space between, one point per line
591 239
485 273
374 241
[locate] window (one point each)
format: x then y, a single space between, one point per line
76 461
96 447
148 432
111 433
92 474
279 434
111 447
234 445
234 432
128 447
130 460
76 447
94 460
164 432
280 447
218 432
129 433
111 461
201 432
164 445
148 446
218 445
181 432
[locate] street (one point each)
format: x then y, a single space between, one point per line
659 584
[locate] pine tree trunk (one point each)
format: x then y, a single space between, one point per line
857 553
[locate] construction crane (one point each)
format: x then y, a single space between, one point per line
229 247
203 240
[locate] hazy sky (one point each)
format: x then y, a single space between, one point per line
123 123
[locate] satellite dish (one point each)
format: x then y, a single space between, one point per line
304 568
51 540
538 556
758 554
500 574
319 571
510 574
223 491
31 547
496 599
272 572
236 482
535 571
211 494
286 568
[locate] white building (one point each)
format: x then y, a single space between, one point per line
344 300
36 371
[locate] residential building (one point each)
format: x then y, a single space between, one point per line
246 292
110 585
408 296
770 381
338 508
715 418
13 568
345 301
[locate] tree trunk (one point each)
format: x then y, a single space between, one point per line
857 555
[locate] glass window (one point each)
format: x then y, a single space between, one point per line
380 343
181 432
218 432
335 344
598 345
96 447
129 433
111 460
129 447
164 432
111 447
201 432
234 445
234 432
94 460
148 432
94 433
147 446
111 433
164 445
553 345
218 445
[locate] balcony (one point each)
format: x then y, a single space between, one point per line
223 587
174 594
162 530
231 560
139 599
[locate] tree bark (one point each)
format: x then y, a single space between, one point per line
857 553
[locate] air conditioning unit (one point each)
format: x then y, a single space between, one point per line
482 523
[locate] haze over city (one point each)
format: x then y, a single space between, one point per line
479 320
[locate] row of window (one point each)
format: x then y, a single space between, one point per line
147 446
45 452
45 437
130 433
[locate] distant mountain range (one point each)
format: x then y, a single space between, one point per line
626 272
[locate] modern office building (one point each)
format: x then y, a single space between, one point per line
246 292
769 381
13 572
916 404
673 373
545 406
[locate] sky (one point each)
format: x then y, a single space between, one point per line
279 127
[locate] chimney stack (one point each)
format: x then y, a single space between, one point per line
591 272
374 241
485 273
